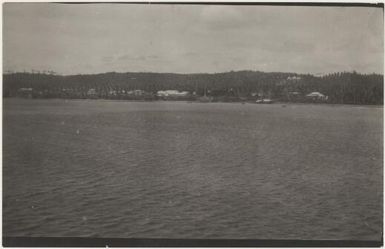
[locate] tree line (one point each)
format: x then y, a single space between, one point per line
341 88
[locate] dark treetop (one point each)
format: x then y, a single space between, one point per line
341 88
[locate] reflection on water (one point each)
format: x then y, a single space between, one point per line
191 170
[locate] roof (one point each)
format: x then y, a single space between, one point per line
315 94
172 93
25 89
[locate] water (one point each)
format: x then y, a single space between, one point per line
93 168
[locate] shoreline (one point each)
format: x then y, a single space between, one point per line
284 104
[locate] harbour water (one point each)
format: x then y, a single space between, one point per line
94 168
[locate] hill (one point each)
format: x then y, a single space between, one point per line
342 88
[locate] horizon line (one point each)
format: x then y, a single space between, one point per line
51 72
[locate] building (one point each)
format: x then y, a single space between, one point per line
91 92
293 78
25 92
112 93
136 93
316 96
172 93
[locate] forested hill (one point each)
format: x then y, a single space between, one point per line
344 88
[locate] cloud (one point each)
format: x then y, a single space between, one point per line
198 38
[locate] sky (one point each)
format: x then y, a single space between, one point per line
98 38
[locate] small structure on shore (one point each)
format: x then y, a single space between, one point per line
294 78
264 101
112 92
136 93
25 92
91 92
172 93
316 96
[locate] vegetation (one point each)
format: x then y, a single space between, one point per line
342 88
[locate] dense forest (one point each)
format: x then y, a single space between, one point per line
342 88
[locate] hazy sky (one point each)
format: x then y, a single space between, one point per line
96 38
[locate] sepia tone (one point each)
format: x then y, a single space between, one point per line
193 121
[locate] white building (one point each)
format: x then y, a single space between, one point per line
293 78
172 93
91 91
316 96
136 92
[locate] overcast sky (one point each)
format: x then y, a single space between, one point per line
97 38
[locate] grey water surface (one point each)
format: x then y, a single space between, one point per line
94 168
